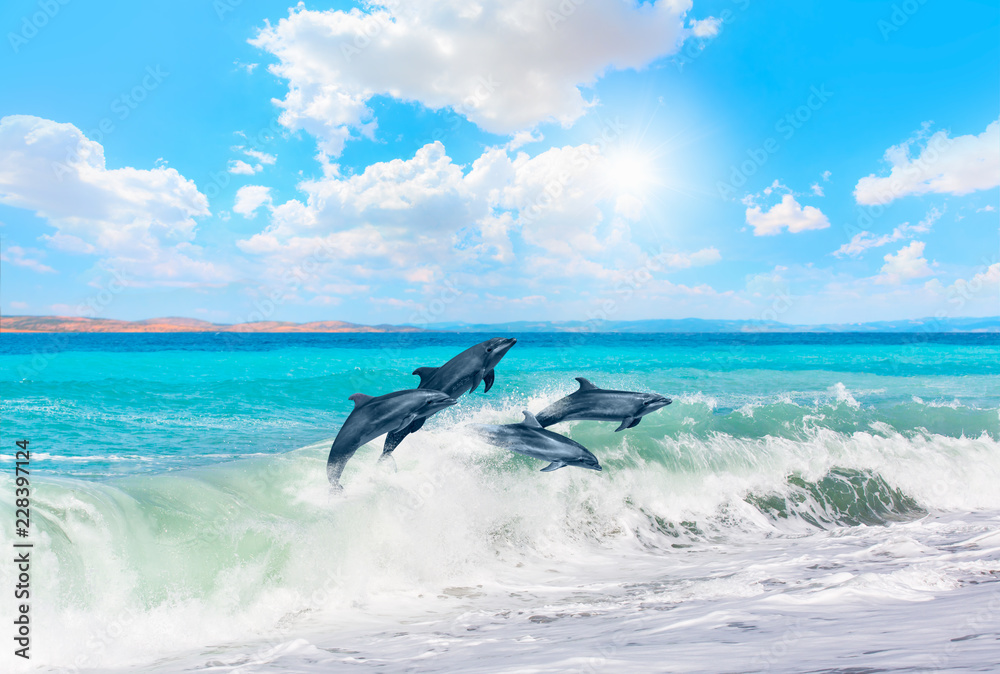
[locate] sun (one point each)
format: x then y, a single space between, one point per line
631 172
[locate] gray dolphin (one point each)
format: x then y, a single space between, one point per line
459 375
597 404
373 416
529 438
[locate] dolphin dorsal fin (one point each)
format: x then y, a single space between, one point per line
360 399
425 373
585 384
530 421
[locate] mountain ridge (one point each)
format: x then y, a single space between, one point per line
49 324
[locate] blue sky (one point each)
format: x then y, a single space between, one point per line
803 162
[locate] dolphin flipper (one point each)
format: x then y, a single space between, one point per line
627 422
635 423
555 465
476 378
407 420
393 439
490 376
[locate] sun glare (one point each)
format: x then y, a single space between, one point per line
631 172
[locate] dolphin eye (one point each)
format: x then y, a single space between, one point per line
489 349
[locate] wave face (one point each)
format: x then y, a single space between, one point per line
248 546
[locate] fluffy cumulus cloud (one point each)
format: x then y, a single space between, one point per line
906 264
142 221
943 165
249 198
787 214
506 65
549 219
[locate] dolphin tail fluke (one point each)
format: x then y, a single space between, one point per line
555 465
489 378
627 422
635 423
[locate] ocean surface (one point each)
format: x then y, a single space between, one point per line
808 503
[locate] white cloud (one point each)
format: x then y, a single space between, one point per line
907 264
18 305
26 258
786 214
706 27
506 65
944 165
826 176
862 241
142 221
542 220
817 189
984 284
988 208
262 157
240 167
249 198
524 137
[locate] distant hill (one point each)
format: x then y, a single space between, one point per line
693 325
72 324
696 325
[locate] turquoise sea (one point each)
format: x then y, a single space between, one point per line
809 502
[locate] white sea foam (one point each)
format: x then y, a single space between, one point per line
468 558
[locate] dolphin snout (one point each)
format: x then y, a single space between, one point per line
658 401
505 344
437 404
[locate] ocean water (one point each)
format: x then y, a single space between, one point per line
820 503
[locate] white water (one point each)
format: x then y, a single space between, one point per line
687 554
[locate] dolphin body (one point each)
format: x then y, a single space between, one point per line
373 416
459 375
597 404
530 439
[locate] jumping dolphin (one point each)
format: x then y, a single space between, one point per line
597 404
459 375
529 438
371 417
